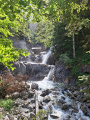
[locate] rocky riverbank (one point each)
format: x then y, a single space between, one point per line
24 103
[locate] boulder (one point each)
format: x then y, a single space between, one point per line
60 102
30 107
45 92
34 86
25 97
15 95
54 116
26 103
33 100
30 94
46 99
65 106
35 71
40 105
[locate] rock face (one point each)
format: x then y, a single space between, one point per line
62 73
35 71
51 60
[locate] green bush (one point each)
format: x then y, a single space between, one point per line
84 82
7 104
41 114
64 58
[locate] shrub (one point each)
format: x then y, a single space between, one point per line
41 114
7 104
64 58
84 82
11 82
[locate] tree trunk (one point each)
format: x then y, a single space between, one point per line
36 103
74 54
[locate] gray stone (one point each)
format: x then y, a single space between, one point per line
34 86
54 116
33 100
66 106
45 92
60 102
25 97
15 95
46 99
26 103
30 107
31 94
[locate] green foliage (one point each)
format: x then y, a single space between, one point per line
64 58
62 44
41 114
11 13
7 104
84 82
44 33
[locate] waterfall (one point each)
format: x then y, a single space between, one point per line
46 56
61 105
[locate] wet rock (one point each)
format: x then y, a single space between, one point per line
34 86
25 97
33 100
45 117
50 107
46 99
54 116
55 96
26 103
62 97
23 93
71 111
85 110
31 94
15 95
66 106
51 60
40 105
30 107
35 71
55 93
60 102
32 115
45 92
83 118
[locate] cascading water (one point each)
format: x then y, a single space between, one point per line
57 113
46 56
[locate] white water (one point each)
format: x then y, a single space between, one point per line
47 83
46 56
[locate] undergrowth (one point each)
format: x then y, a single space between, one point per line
6 104
11 83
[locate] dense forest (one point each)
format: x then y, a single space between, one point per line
62 25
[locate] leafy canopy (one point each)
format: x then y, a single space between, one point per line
12 14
